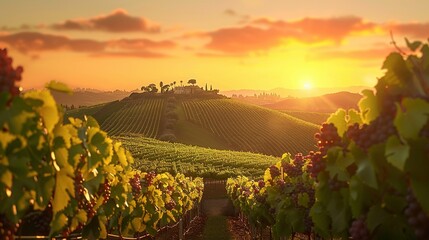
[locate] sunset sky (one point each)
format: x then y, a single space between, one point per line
231 44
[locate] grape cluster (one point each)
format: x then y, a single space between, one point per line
170 205
7 229
377 131
274 171
136 185
294 169
261 183
336 185
105 190
316 165
39 221
148 178
8 75
358 230
327 138
417 218
89 208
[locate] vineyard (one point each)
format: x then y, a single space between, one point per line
368 179
72 179
142 116
151 154
251 128
311 117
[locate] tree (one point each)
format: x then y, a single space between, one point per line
206 87
192 81
181 83
161 85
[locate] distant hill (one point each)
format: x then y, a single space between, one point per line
294 93
326 103
208 122
88 98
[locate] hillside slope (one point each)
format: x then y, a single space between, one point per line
251 128
212 123
325 103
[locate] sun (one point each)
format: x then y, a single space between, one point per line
307 86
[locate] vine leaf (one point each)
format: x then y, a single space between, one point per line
368 106
397 153
339 120
410 122
48 111
59 87
376 216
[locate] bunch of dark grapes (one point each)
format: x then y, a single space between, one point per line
261 183
358 230
336 185
417 218
105 190
327 138
39 221
136 185
148 179
7 229
274 171
170 205
8 75
89 208
316 165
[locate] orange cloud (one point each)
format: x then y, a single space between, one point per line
27 42
118 21
417 30
264 34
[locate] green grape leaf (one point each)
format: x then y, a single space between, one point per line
396 152
376 216
48 111
58 223
92 122
64 187
368 106
339 120
410 122
58 86
413 45
366 171
303 200
354 117
420 190
320 219
6 178
339 213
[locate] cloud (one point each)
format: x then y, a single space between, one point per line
119 21
264 34
230 12
35 42
417 30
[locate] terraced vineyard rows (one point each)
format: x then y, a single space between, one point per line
252 128
140 116
312 117
151 154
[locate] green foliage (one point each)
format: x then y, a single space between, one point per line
41 159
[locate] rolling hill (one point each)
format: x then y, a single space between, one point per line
326 103
207 122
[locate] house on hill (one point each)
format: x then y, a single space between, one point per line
188 90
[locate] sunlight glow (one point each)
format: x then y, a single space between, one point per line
307 86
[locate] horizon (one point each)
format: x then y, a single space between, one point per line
246 44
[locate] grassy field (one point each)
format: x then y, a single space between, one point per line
151 154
